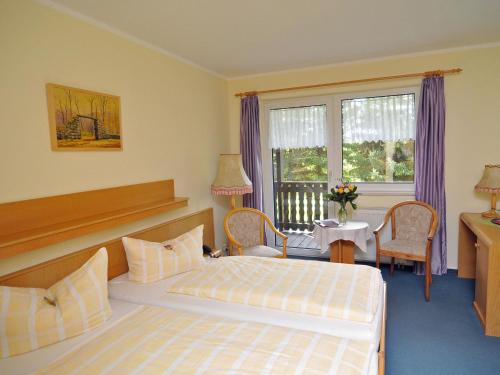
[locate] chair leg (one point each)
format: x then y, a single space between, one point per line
427 280
392 266
377 259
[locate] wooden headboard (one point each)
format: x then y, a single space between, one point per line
46 274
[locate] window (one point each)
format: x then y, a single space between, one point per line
378 139
312 143
298 141
297 138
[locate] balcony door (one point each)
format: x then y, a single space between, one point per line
296 168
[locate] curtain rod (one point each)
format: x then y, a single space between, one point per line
339 83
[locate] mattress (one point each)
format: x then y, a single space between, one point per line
29 362
156 340
155 294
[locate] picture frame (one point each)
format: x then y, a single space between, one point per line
83 120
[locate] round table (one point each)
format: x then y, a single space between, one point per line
341 240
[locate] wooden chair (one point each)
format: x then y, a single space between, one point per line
245 229
414 224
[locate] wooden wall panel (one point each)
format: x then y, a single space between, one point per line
46 274
34 223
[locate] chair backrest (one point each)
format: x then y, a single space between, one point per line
245 225
413 220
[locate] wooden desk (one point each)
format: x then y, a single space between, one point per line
479 258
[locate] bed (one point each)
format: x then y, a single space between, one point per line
371 334
150 339
30 362
197 298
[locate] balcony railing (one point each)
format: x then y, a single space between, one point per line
298 203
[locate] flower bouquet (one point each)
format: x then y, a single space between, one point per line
343 194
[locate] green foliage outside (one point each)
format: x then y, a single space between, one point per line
365 162
379 161
301 164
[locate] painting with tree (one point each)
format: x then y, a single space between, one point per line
83 120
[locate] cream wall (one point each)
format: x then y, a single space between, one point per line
472 116
174 118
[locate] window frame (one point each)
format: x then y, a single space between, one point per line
367 188
334 141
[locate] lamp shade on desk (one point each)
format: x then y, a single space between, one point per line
490 183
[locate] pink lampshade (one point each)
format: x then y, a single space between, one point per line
231 177
490 181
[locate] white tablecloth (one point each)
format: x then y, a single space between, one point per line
355 231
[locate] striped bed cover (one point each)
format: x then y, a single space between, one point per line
155 340
330 290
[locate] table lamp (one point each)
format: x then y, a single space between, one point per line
231 178
490 183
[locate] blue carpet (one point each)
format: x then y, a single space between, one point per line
439 337
442 336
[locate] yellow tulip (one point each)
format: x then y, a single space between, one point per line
341 190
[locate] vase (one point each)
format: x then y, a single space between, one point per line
342 215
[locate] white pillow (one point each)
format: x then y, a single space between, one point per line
153 261
36 317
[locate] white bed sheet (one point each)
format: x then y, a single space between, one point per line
155 294
29 362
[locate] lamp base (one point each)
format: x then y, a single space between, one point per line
491 214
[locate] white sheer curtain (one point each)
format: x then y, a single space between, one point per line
298 127
383 118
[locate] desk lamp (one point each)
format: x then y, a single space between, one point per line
490 183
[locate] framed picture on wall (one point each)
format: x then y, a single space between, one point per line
82 120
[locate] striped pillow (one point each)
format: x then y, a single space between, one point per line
31 318
153 261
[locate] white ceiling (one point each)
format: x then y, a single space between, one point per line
236 37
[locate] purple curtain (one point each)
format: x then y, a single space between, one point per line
429 163
250 150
